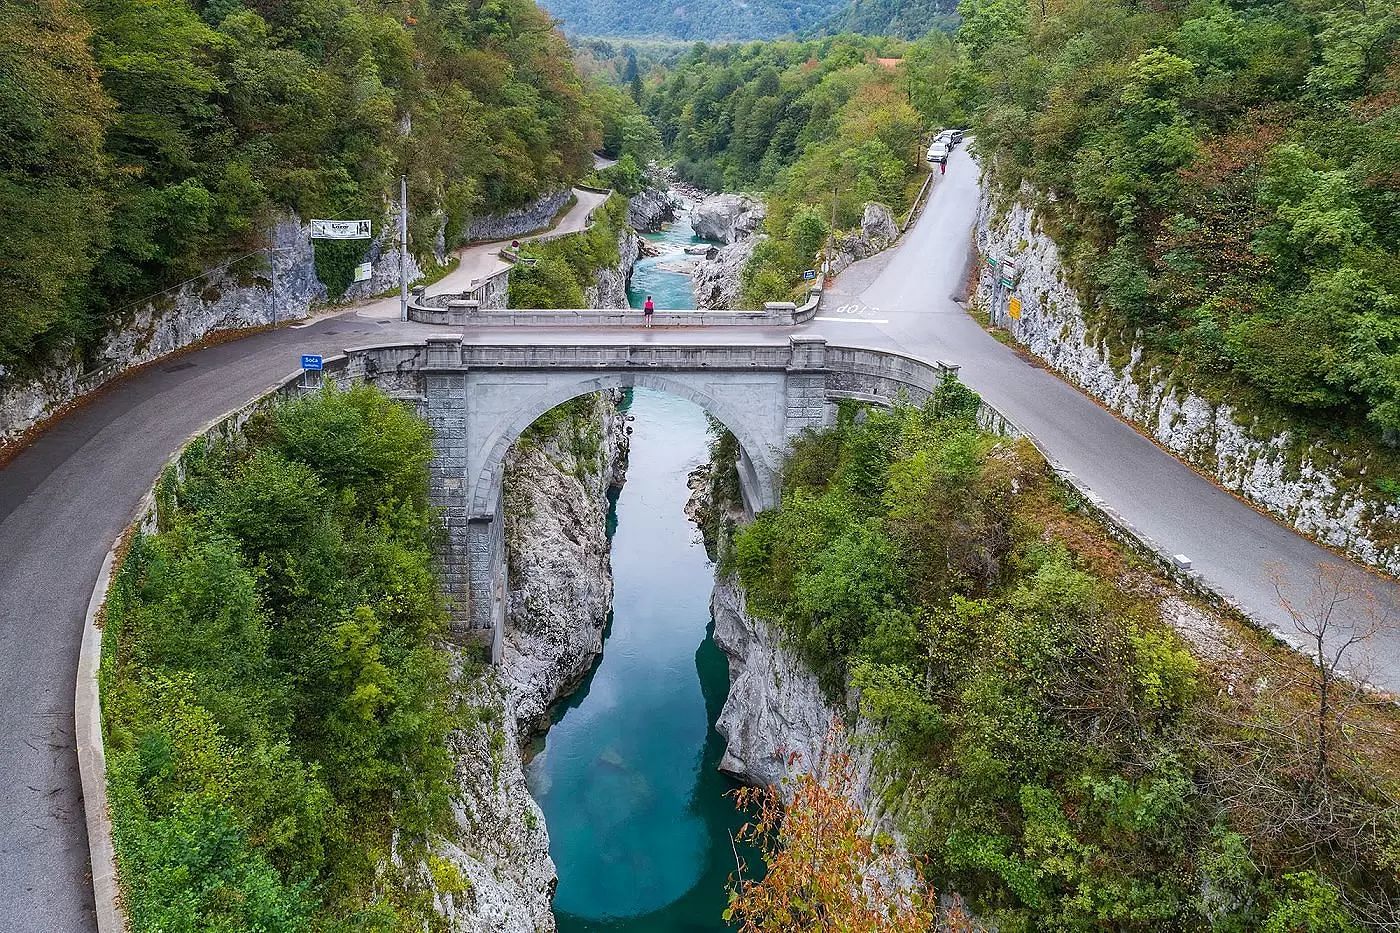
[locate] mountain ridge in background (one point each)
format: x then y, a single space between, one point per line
905 19
717 20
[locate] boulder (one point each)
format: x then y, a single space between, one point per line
878 225
718 278
651 208
728 218
878 229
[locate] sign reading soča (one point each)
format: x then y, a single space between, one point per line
340 230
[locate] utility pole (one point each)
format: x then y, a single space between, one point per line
403 247
830 240
272 264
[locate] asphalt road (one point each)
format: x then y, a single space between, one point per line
914 291
480 260
65 498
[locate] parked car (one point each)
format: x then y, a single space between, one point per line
938 152
945 137
958 136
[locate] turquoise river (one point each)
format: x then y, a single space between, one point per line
639 818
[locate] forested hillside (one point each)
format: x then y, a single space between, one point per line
725 19
908 19
806 123
141 140
1056 747
1224 180
275 693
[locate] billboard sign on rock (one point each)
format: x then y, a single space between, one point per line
340 230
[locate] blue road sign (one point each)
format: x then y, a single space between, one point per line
810 274
311 362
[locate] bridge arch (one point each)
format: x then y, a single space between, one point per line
759 461
480 397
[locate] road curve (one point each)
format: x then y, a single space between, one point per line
1230 544
69 494
480 260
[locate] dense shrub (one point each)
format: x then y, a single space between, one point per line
1053 750
275 702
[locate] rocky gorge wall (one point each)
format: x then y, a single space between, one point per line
532 217
556 500
652 207
609 289
237 297
775 707
736 221
1318 490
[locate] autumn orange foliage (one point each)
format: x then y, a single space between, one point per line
825 873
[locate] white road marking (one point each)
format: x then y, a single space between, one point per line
853 320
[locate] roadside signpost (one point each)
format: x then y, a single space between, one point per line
809 275
1013 308
1008 273
312 362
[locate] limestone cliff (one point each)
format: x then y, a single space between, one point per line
775 707
610 283
556 503
718 279
736 221
528 219
652 207
496 875
728 218
235 296
1320 491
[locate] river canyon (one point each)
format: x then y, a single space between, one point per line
626 776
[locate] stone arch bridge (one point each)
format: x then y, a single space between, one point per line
479 398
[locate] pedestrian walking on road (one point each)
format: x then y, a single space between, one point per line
647 309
